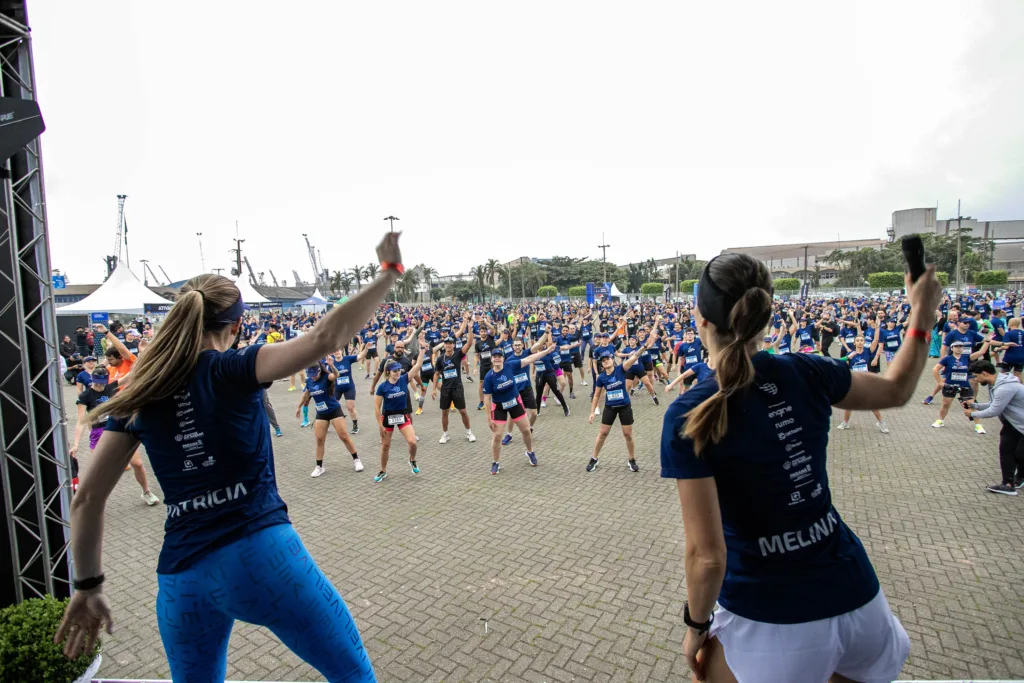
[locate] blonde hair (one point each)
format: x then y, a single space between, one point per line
1013 323
174 351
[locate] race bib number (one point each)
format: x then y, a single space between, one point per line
615 395
557 359
427 367
371 345
691 359
523 378
451 373
958 376
505 405
860 367
539 365
484 355
396 419
892 344
343 380
321 406
586 335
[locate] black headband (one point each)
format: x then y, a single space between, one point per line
229 315
715 304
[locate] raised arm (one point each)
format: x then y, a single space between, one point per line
277 361
534 357
870 391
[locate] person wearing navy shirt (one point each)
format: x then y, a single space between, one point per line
962 333
748 450
696 373
1013 343
82 379
611 385
345 384
953 374
861 360
503 402
319 391
392 408
448 367
637 374
545 370
229 549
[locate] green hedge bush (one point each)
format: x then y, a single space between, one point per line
27 650
547 292
787 284
652 289
943 278
578 291
991 277
886 280
686 286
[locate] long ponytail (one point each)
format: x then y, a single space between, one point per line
708 422
169 360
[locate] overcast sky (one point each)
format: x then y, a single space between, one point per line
509 129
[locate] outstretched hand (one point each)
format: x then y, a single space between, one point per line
87 613
387 250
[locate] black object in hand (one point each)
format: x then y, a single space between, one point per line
913 252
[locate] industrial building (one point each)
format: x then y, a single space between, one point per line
805 260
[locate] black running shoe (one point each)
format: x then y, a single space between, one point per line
469 378
1005 489
656 401
592 465
633 466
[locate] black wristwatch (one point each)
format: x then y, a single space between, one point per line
701 628
89 584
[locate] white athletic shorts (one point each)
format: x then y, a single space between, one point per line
867 645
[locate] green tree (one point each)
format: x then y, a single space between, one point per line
652 289
335 285
686 286
479 274
547 292
358 273
345 282
787 284
372 270
942 277
407 284
580 290
463 290
492 267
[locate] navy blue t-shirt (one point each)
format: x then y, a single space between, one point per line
790 557
209 445
396 396
501 386
614 385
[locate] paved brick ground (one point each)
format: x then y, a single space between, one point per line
553 574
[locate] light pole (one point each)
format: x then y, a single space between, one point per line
145 279
202 261
958 224
392 219
604 256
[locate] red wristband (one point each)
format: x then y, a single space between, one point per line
397 267
914 333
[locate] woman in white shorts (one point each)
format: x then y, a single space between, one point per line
798 599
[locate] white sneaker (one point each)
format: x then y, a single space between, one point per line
583 383
317 471
472 437
843 425
543 403
444 438
938 423
149 499
882 427
979 429
358 464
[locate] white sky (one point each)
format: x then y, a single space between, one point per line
669 126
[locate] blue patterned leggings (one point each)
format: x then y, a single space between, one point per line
267 578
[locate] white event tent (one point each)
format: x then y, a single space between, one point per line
249 294
121 293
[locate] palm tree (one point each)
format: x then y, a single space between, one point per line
358 273
428 274
346 283
492 267
479 273
407 284
371 271
336 282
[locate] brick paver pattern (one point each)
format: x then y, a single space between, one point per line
554 574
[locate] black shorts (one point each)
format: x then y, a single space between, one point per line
427 377
502 415
951 390
349 392
1008 367
635 372
649 366
331 415
456 395
688 382
875 368
529 400
577 360
371 353
385 420
484 369
624 413
566 367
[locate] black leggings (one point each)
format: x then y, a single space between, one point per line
550 380
1011 452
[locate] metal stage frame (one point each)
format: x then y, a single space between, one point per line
34 462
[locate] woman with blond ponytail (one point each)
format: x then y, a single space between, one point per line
229 550
798 599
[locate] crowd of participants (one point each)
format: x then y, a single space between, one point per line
521 356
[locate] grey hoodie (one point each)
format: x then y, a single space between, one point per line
1007 401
